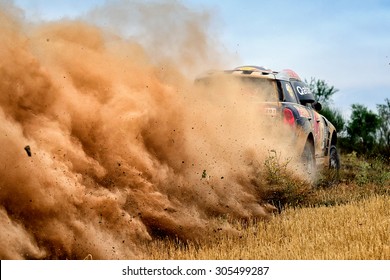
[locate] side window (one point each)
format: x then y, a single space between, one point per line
288 92
266 89
303 92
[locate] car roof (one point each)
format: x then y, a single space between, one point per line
257 72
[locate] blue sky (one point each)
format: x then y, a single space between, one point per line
345 43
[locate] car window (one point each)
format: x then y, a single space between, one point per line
303 92
265 89
288 92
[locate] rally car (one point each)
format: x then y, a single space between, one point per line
292 101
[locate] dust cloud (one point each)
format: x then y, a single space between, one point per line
124 148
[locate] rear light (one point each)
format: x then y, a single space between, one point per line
288 117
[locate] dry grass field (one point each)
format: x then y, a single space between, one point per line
347 220
357 230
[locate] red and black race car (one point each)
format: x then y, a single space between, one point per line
286 96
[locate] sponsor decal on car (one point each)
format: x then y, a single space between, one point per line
303 90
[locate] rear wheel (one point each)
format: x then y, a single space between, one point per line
308 158
334 158
334 166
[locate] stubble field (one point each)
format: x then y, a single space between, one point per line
347 219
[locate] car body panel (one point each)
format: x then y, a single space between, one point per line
293 98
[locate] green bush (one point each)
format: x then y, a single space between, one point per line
358 178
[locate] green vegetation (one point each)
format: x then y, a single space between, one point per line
323 94
358 179
362 128
367 133
321 90
384 125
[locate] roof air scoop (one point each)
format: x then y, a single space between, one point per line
250 69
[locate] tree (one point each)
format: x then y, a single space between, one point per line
323 94
362 128
322 91
334 116
384 126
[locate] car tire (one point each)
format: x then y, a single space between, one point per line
334 158
309 159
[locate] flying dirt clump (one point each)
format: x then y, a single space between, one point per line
122 147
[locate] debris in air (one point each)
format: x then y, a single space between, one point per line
28 150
